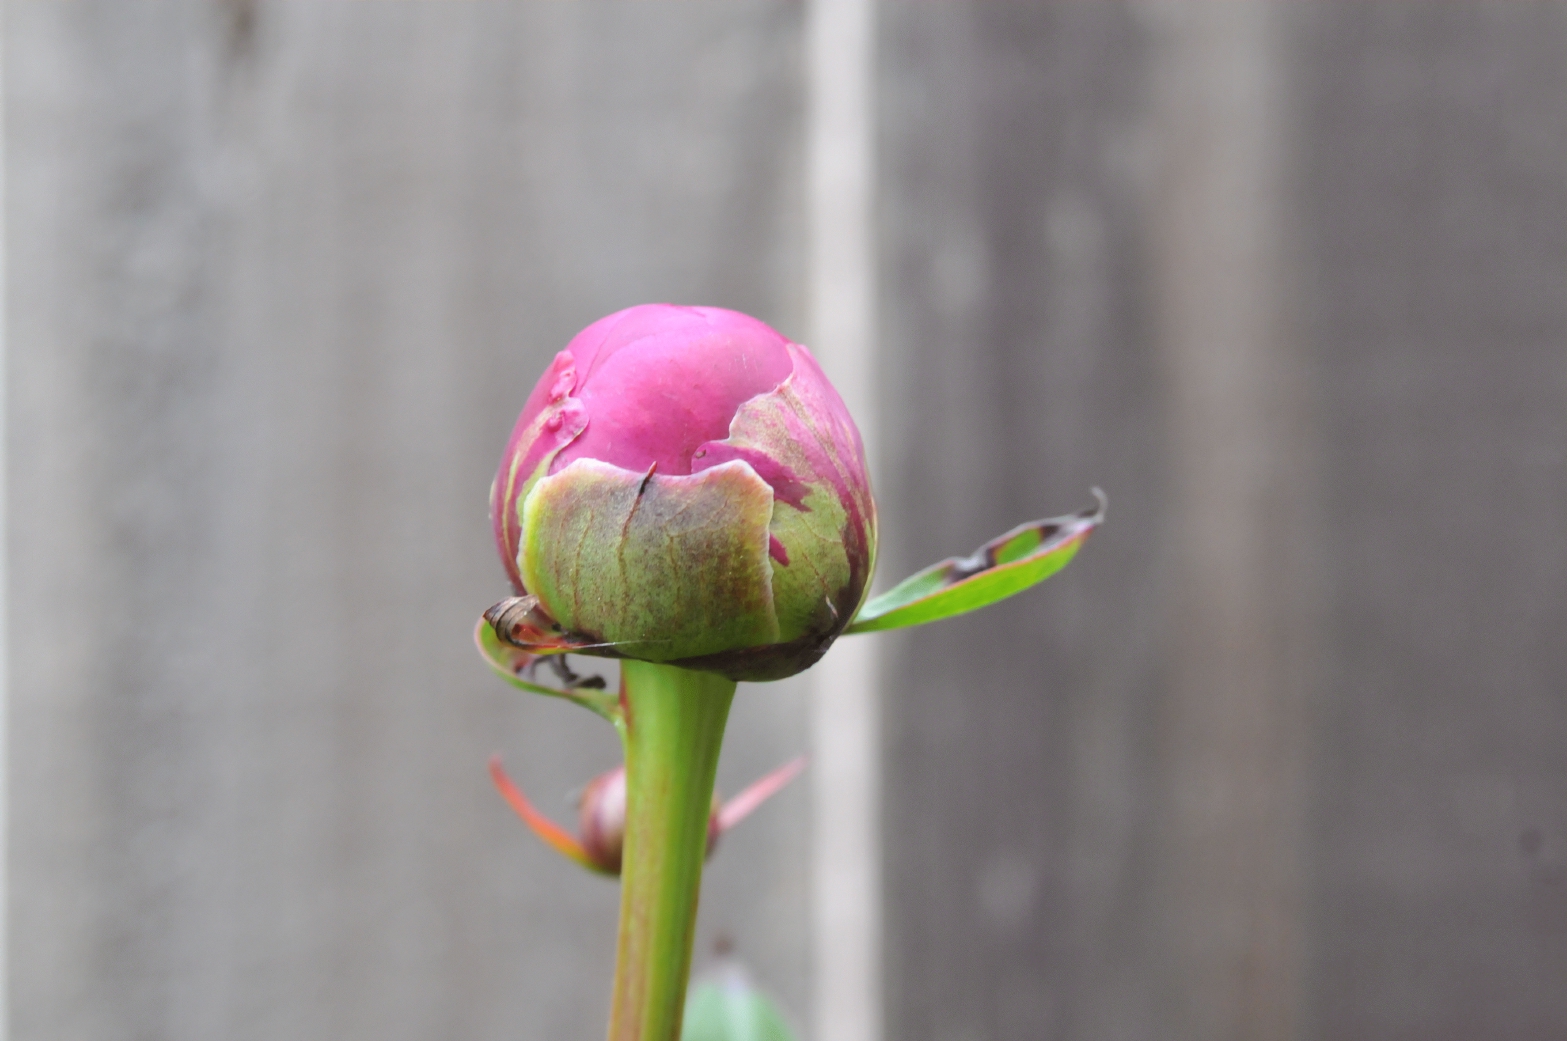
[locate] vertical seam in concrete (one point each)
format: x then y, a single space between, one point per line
5 660
846 848
1237 390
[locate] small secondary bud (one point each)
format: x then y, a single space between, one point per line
601 814
601 820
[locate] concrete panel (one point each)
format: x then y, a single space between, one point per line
1282 754
1434 200
1018 311
282 275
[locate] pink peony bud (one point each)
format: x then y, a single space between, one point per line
685 486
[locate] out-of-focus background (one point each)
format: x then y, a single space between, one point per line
1283 755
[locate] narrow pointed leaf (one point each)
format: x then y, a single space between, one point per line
510 663
1024 556
757 792
554 836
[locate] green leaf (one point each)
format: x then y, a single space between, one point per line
730 1009
511 662
1024 556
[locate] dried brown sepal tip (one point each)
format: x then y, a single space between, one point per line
521 622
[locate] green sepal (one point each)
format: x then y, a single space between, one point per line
509 662
730 1009
823 516
1024 556
653 567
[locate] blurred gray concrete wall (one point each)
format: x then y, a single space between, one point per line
283 275
1434 218
1284 753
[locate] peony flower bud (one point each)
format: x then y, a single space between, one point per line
685 486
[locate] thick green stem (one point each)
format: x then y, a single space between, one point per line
674 725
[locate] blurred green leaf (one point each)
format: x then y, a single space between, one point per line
1024 556
728 1008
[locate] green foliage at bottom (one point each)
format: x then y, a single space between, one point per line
728 1008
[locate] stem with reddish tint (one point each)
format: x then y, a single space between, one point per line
674 725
